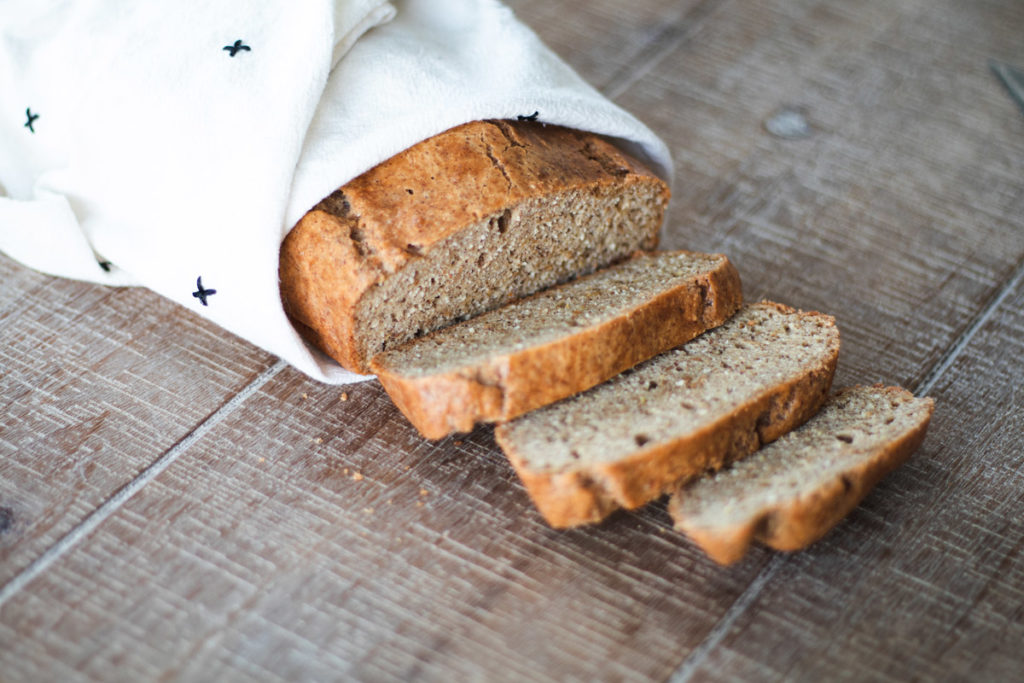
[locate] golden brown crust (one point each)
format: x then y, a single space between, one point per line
806 520
510 385
396 212
321 281
799 521
586 495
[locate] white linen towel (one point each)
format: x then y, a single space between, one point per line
172 145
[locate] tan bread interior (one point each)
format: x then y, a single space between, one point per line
550 315
679 392
540 242
850 429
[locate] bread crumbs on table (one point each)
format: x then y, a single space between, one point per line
344 396
357 476
424 492
368 511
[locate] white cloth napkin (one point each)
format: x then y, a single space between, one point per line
172 145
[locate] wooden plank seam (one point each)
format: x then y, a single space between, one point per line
722 627
689 666
79 532
977 323
675 34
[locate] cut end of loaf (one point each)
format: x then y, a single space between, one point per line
458 224
793 491
540 242
695 408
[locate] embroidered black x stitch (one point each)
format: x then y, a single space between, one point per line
234 49
531 117
201 292
31 119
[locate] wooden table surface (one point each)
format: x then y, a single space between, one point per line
178 504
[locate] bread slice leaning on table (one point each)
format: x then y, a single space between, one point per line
538 350
794 490
461 223
693 409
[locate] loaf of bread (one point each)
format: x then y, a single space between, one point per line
794 490
459 224
692 409
492 212
535 351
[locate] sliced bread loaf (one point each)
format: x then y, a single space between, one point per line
794 490
695 408
535 351
458 224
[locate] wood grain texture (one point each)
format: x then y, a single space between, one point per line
95 383
925 581
901 213
310 537
608 41
292 540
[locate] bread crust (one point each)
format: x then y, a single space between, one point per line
584 495
799 521
376 224
512 384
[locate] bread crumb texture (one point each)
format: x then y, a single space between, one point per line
694 408
538 350
550 315
682 391
794 490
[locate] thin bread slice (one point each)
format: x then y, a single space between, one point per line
564 340
794 490
697 407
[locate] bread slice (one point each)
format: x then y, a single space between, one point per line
535 351
459 224
695 408
794 490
